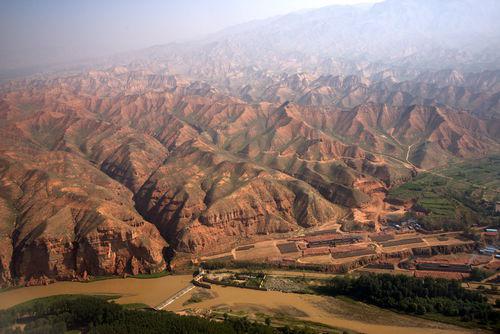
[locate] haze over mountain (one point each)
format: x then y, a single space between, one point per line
268 127
406 35
59 34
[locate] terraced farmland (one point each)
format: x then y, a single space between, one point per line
402 242
359 252
243 248
455 196
287 248
382 238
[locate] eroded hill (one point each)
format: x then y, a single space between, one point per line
101 171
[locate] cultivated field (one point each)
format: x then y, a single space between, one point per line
261 251
318 248
461 187
289 247
440 274
401 242
318 259
461 258
450 240
382 237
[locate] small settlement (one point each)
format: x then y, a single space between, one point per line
402 249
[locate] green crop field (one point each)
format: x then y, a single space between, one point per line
457 195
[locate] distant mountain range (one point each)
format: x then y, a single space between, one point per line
404 35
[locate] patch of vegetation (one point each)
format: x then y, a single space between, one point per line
8 288
259 266
285 321
29 107
154 275
136 306
247 280
139 276
294 284
428 296
478 274
355 226
199 296
456 196
88 314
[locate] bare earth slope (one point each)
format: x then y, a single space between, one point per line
98 169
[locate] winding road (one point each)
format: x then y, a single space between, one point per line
408 154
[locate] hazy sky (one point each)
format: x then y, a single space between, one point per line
37 32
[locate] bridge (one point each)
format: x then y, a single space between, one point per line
180 293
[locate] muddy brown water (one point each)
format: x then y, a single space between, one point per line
151 291
326 310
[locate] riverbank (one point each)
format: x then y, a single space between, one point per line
335 312
150 291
